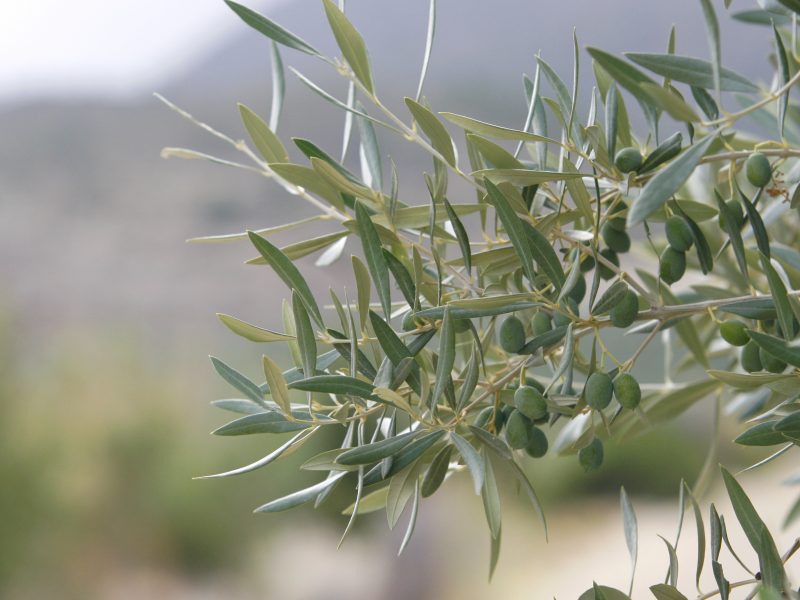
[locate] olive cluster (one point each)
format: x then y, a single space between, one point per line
753 358
521 419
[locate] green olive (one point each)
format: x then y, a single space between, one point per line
673 265
618 241
512 335
758 170
530 402
537 442
624 313
628 159
751 358
627 390
679 234
771 363
734 332
541 323
517 428
591 457
599 390
616 221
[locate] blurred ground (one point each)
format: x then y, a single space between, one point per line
106 320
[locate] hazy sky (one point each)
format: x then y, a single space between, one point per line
103 46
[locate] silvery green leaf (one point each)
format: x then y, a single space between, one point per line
692 71
301 496
350 43
271 29
667 182
474 461
631 530
239 381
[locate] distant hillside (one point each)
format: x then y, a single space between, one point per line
92 221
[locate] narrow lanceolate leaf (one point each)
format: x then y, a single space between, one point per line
757 225
286 270
271 29
335 384
278 88
263 462
267 143
437 472
712 30
447 356
473 460
461 235
631 530
784 74
491 499
728 220
306 340
662 591
239 381
788 352
693 71
523 177
428 47
265 422
771 566
622 72
350 43
371 151
301 496
433 128
780 297
494 131
610 298
252 332
371 453
611 119
667 182
763 434
701 535
545 256
277 384
703 250
373 253
514 227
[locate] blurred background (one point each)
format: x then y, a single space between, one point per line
107 315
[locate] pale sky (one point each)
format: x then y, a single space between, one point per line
108 47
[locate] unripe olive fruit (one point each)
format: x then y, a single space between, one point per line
541 323
591 457
484 417
461 325
673 265
618 241
537 442
530 402
628 159
409 324
615 221
599 390
517 428
679 234
627 390
512 335
611 256
771 363
579 291
757 169
624 313
751 357
738 214
734 332
562 318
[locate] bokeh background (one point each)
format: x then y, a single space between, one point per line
107 315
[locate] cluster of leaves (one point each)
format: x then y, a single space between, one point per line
486 334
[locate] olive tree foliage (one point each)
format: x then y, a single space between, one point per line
474 336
